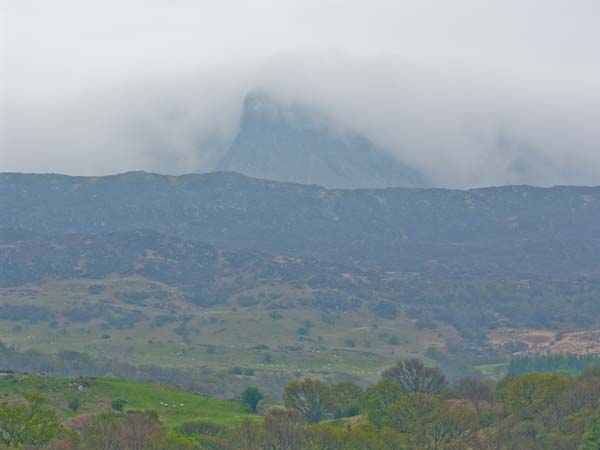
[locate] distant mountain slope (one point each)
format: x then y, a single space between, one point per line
202 273
293 144
507 230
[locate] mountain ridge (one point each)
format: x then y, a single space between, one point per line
394 228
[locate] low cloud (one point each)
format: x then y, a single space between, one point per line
465 118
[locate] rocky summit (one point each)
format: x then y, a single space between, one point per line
294 143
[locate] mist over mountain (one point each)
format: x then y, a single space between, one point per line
297 144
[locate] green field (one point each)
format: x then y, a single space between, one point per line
153 325
96 394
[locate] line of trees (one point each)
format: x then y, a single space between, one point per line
412 407
552 363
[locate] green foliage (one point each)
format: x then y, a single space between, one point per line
537 411
252 397
118 405
552 363
379 397
348 398
74 404
432 422
27 423
200 427
312 398
528 395
591 438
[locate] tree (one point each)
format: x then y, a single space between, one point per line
27 424
102 431
433 423
348 398
379 397
139 429
326 437
197 427
591 438
74 405
312 398
118 405
66 440
249 435
528 395
252 397
415 377
479 392
284 430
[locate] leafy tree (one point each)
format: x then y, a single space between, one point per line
432 422
591 438
379 397
348 398
528 395
118 405
415 377
252 397
312 398
74 405
27 424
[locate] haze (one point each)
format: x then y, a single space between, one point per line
472 93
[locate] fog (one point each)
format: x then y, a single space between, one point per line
472 94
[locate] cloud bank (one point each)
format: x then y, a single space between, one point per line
473 95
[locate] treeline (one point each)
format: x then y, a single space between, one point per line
412 407
552 363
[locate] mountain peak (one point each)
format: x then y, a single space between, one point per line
298 144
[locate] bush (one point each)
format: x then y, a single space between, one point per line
200 427
236 370
393 340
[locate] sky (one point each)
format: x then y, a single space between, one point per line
473 93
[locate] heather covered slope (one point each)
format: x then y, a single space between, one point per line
515 231
221 270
